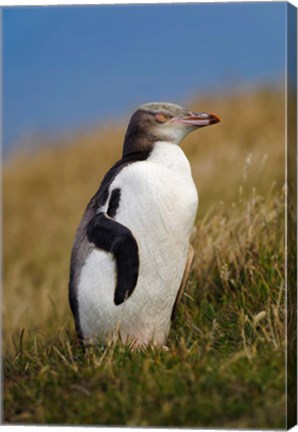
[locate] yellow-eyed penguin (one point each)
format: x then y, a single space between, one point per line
129 259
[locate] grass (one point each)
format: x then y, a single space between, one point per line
225 364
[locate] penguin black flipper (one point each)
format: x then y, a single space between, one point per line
82 247
113 237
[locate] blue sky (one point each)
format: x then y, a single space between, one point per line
67 68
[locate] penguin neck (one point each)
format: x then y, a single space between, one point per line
171 156
148 147
136 141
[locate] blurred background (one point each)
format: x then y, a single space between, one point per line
71 68
72 78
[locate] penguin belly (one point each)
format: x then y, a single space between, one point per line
158 204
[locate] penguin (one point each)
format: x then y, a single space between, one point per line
131 255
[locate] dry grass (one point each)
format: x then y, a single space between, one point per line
230 329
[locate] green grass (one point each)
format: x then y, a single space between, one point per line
57 384
225 363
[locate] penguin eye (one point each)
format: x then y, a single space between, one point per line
161 117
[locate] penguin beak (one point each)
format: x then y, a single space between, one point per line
199 119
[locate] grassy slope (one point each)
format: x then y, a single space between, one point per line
225 364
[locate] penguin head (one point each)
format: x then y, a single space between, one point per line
162 121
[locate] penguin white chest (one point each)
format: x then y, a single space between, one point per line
158 204
158 196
